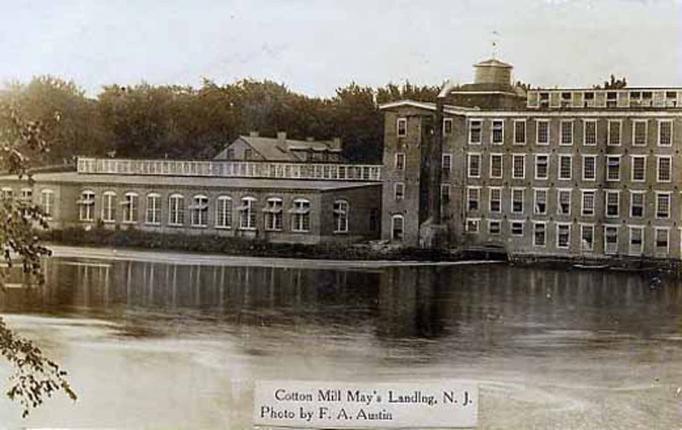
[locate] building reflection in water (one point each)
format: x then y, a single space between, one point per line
479 304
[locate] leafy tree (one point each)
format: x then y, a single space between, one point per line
35 376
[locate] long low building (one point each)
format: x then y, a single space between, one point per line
278 202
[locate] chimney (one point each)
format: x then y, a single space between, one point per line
281 136
335 143
253 133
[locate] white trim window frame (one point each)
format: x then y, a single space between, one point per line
274 218
470 157
513 208
399 191
616 166
609 204
198 215
223 212
521 157
584 227
473 198
495 192
634 169
153 209
583 194
473 225
109 207
475 125
447 126
659 159
517 138
47 203
540 201
500 157
497 131
512 227
559 203
607 229
547 167
341 215
635 135
399 161
661 252
176 210
86 206
548 137
560 172
584 169
563 135
247 213
659 140
536 231
639 250
446 162
397 234
559 226
592 135
300 221
610 136
130 205
663 204
401 127
492 222
641 204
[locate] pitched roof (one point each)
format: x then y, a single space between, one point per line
273 149
493 62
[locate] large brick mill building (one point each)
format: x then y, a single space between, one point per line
572 172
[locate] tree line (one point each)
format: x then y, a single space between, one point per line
176 121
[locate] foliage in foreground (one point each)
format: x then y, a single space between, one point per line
35 376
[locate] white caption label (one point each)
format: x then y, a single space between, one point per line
339 405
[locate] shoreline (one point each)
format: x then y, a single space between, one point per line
207 259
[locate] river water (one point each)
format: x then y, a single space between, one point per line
160 345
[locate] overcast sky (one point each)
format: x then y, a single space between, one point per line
316 46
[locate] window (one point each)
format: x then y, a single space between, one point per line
663 205
446 164
586 237
639 132
540 206
130 207
610 240
47 202
638 172
494 227
26 195
473 196
495 199
176 209
566 132
474 170
496 166
109 206
564 202
447 126
518 166
248 154
274 216
612 203
614 130
664 168
497 132
397 227
520 132
7 193
517 200
539 234
301 219
401 127
399 190
563 235
475 131
541 166
665 132
341 212
565 167
588 200
247 214
589 167
517 228
662 236
590 132
400 161
613 167
542 135
86 206
153 213
473 225
636 240
223 212
637 199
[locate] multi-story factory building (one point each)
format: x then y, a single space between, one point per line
579 172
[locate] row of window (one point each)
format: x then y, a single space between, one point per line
198 211
46 198
612 166
587 235
563 202
567 134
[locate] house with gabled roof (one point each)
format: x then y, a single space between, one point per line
258 148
